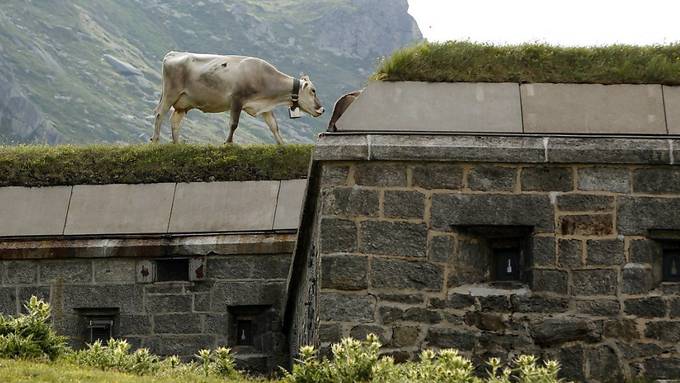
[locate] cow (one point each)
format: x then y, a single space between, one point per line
216 84
340 107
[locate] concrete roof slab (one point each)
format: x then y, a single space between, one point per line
289 205
119 209
224 206
435 107
33 211
593 109
671 95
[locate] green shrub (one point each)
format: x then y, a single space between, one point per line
30 335
357 361
31 165
465 61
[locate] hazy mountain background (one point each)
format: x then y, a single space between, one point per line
88 71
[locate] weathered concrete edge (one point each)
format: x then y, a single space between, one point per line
498 148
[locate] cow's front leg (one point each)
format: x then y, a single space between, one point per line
234 116
175 122
273 126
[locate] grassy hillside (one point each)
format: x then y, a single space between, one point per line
471 62
57 82
131 164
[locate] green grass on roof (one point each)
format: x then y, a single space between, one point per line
107 164
457 61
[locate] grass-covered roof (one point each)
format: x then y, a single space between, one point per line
106 164
457 61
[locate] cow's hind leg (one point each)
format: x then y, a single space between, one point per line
161 111
176 122
273 126
234 116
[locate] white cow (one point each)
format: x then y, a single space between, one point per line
216 84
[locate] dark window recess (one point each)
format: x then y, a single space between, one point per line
244 333
506 264
100 329
671 265
172 270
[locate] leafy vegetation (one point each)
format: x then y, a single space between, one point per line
102 164
462 61
29 336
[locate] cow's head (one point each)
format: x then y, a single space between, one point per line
309 102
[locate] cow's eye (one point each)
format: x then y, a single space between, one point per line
313 91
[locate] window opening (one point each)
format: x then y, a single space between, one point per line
169 270
506 263
671 265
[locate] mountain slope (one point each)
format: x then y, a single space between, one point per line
80 71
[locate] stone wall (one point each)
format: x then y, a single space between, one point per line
81 277
405 226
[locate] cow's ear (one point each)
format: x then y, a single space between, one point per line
304 77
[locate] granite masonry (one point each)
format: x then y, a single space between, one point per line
496 246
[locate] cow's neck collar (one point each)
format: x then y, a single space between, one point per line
295 95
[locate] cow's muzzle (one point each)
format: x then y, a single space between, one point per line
320 111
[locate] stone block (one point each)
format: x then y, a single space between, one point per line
380 174
20 272
538 304
363 330
224 206
608 151
671 98
172 303
484 321
572 362
197 269
351 202
134 324
648 307
601 178
399 274
144 271
334 175
497 209
495 303
569 251
638 214
330 333
177 324
554 281
390 315
393 238
593 108
438 176
404 204
587 225
451 338
453 301
547 178
128 298
423 106
119 209
344 272
337 148
441 248
265 266
114 270
346 308
637 278
594 282
674 305
584 202
247 293
201 302
338 235
605 364
657 180
625 329
662 368
289 204
8 300
407 299
421 315
67 271
181 345
600 307
664 330
492 178
459 148
405 336
543 251
644 251
217 324
33 211
553 331
605 252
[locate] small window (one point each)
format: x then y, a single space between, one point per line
671 265
506 264
98 324
100 329
244 333
168 270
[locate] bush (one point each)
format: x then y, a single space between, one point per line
30 335
357 361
